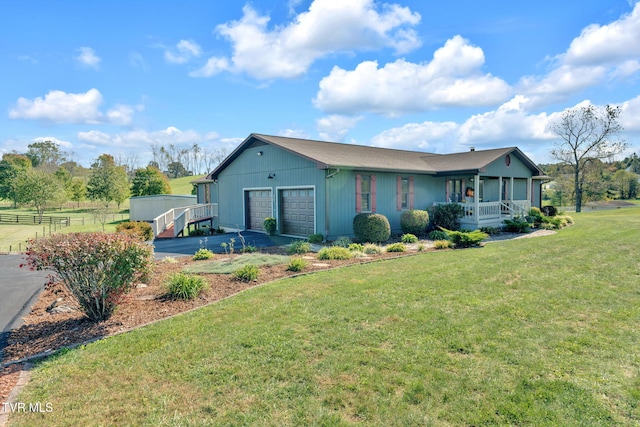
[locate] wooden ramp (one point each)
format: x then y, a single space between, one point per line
166 234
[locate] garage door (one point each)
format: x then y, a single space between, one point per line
298 211
258 204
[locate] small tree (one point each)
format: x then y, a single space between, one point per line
149 181
587 133
97 268
39 189
107 182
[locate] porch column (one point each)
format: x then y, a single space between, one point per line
476 196
511 189
500 189
529 180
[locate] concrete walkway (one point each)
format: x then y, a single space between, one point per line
19 290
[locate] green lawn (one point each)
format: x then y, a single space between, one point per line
183 185
541 332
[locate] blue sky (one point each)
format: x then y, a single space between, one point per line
119 76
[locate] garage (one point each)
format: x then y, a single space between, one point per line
258 205
297 208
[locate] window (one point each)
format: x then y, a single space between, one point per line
455 190
404 193
365 193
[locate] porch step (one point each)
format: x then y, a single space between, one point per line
166 234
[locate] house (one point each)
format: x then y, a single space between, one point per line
318 187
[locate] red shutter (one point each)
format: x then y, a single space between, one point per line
399 193
411 192
373 193
358 193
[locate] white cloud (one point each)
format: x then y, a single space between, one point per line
329 26
137 61
213 66
185 50
630 117
598 55
141 138
435 137
452 79
61 107
88 57
335 127
62 143
294 133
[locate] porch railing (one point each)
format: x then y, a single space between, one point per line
181 217
493 210
193 213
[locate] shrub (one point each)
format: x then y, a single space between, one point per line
316 238
371 249
356 247
437 235
447 216
297 264
270 225
466 239
515 225
549 210
342 241
442 244
335 252
202 254
414 222
198 232
249 249
247 273
141 230
409 238
299 247
98 269
185 286
397 247
491 231
373 228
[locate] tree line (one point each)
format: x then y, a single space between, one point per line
44 177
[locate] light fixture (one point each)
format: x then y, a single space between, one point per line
271 176
259 153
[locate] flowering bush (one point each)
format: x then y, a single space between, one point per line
97 268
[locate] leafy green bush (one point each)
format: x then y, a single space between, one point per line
447 216
372 228
297 264
202 254
249 249
371 249
316 238
466 239
397 247
437 235
198 232
334 252
270 225
185 286
414 222
299 247
342 241
516 225
247 273
356 247
442 244
409 238
549 210
98 269
491 231
139 229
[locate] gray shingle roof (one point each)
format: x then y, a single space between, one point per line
337 155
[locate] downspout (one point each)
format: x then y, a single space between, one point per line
326 200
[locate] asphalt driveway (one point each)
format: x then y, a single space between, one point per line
185 246
19 290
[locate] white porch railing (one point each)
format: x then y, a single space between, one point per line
484 212
181 217
193 213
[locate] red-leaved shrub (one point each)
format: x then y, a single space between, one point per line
97 268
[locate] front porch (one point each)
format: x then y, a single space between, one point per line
492 214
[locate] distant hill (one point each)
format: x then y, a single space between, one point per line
183 185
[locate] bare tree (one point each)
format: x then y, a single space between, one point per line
587 133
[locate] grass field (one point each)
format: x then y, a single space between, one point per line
13 238
540 332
